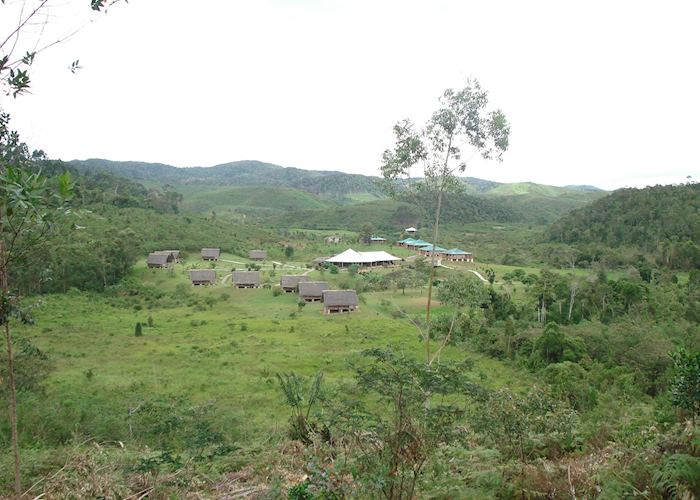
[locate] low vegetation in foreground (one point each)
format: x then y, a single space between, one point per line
155 387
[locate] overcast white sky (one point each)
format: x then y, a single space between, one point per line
597 92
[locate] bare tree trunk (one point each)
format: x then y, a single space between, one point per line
4 288
432 276
572 297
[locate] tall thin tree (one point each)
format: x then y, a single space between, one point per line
461 128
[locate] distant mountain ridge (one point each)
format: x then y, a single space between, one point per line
256 173
222 187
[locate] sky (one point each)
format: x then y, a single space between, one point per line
605 93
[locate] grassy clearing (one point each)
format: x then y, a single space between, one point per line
223 349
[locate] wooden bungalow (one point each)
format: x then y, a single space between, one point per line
337 301
404 242
376 240
411 230
257 254
457 255
429 250
416 244
211 254
157 260
202 276
246 279
290 283
312 291
174 255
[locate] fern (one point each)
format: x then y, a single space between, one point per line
679 477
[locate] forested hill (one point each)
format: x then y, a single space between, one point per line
330 184
663 220
210 188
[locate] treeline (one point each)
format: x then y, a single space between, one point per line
102 188
96 247
662 221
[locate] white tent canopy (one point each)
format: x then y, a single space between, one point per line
351 256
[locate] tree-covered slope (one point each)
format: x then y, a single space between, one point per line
206 188
334 185
664 220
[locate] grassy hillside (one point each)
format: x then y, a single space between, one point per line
250 199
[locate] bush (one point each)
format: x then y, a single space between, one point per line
138 330
276 292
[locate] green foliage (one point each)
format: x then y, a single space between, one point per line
138 330
570 382
679 476
463 291
300 491
414 423
663 221
685 385
554 346
525 427
31 366
301 400
289 251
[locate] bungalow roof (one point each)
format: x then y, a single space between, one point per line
419 243
429 248
158 258
203 275
211 252
457 251
292 281
246 277
340 298
312 288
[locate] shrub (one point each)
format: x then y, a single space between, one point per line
138 330
276 292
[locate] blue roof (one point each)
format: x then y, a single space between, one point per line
429 248
457 251
377 238
420 243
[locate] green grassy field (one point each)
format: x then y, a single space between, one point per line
209 345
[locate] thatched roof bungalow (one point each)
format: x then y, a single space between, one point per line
312 291
246 279
337 301
257 254
173 255
211 253
157 260
202 276
290 283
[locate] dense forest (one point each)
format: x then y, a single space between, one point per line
663 222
